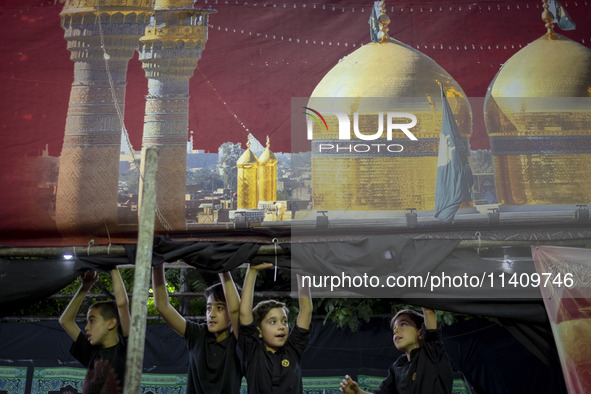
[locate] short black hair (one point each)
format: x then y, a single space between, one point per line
107 309
415 316
260 311
217 291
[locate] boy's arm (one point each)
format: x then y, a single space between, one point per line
250 278
167 311
430 319
122 301
232 300
68 318
305 301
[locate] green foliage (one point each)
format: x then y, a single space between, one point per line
346 311
228 154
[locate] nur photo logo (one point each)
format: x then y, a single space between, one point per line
349 138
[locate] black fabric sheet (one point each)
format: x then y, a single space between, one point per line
209 256
26 281
522 310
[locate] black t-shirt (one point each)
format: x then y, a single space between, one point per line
105 366
268 372
428 371
214 367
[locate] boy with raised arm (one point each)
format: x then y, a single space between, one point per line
271 356
102 347
214 367
424 368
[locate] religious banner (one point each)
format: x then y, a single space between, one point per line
566 290
227 95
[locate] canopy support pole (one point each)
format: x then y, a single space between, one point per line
143 264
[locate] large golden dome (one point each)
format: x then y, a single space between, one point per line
386 69
404 80
551 66
538 117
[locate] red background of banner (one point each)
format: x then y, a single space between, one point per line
255 76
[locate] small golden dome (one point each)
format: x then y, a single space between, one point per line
247 158
267 156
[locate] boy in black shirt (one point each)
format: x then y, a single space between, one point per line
425 366
271 356
101 348
214 367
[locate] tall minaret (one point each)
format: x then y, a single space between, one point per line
267 175
248 166
102 36
169 51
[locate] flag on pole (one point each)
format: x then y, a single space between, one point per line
374 25
560 16
454 176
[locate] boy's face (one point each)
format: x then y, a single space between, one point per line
406 334
98 328
218 319
274 329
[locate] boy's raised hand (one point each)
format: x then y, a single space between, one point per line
89 278
174 319
260 266
430 318
305 303
68 317
250 278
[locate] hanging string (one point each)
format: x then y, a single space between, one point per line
90 243
109 237
402 7
275 240
221 100
120 115
301 41
509 6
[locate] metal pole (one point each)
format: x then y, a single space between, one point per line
143 264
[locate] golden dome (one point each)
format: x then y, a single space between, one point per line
551 66
386 69
538 112
405 80
547 67
267 156
247 158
